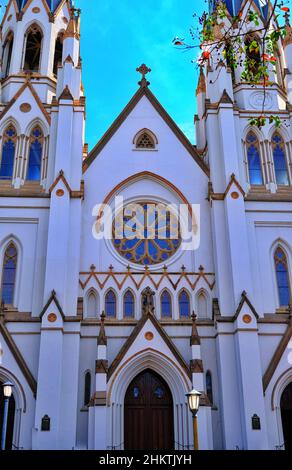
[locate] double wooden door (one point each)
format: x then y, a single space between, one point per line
148 414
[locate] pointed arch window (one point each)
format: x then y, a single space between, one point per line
33 47
110 304
184 304
58 53
145 140
8 153
202 306
166 310
91 305
254 159
282 275
209 386
9 274
87 388
280 160
35 154
7 54
129 305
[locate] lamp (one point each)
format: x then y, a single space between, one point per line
7 392
194 404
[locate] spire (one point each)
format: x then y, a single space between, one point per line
73 28
195 339
201 88
143 70
288 38
102 339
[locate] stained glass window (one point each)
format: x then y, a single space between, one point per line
110 304
165 304
8 153
9 273
209 386
33 47
254 160
184 304
87 388
146 233
282 275
280 162
129 305
35 155
7 53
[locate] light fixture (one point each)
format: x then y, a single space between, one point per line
7 389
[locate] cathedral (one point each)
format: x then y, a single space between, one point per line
105 325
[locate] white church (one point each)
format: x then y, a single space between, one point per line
103 337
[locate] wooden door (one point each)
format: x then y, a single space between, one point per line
286 412
148 414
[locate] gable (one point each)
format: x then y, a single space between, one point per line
145 110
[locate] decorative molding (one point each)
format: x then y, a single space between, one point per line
53 298
101 367
278 353
144 91
125 348
196 366
18 357
156 278
73 194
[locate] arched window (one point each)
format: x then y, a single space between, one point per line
7 54
166 310
129 305
91 305
280 161
209 386
184 304
202 306
9 274
8 153
145 140
282 275
33 46
87 388
254 159
35 155
253 57
110 304
58 53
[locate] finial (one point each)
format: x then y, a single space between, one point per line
201 269
183 268
143 70
287 18
102 339
195 339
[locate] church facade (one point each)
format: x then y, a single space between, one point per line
105 328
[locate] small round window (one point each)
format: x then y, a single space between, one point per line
146 233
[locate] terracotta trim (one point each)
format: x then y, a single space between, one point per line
245 299
7 10
13 100
18 358
133 337
222 196
144 91
268 375
148 174
73 194
30 1
52 298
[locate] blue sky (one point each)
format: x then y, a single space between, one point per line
119 36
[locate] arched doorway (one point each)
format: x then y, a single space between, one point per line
11 415
148 414
286 413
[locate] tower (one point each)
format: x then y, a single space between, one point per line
250 171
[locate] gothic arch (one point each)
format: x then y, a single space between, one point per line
116 297
202 293
91 292
7 52
177 381
129 289
10 120
34 123
282 382
182 290
280 243
172 300
150 139
3 246
33 41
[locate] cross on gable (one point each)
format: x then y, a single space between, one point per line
143 70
